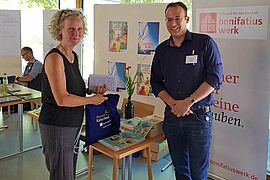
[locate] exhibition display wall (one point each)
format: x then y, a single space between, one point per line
129 34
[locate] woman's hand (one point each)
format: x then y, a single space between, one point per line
98 99
100 89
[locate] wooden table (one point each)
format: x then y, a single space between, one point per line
21 95
122 154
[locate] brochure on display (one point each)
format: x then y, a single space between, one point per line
128 138
95 80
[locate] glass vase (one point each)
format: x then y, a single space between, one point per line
129 109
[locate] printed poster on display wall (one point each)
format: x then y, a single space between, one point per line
143 79
118 36
148 37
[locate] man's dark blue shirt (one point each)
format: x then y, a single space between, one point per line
180 79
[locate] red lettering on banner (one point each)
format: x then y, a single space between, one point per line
241 21
215 92
219 103
233 30
230 78
225 105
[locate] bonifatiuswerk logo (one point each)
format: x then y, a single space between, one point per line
208 22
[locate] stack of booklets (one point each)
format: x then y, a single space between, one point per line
128 138
157 127
129 124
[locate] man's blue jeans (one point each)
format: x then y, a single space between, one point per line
189 141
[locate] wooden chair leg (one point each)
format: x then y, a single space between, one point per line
90 162
149 163
115 168
8 110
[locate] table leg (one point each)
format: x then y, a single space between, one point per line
90 162
115 168
149 163
124 168
20 125
129 167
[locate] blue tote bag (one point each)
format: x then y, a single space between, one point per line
102 120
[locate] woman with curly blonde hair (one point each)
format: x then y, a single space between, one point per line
64 96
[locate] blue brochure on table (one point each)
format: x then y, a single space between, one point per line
127 138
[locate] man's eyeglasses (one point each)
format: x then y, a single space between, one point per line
176 19
24 54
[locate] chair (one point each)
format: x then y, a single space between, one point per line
140 109
34 114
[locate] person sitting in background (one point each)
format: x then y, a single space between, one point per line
32 69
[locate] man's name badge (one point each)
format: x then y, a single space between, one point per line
192 59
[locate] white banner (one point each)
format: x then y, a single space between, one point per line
10 21
241 106
250 22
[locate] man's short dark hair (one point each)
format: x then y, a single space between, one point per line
175 4
27 49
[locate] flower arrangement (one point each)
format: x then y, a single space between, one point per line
131 82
